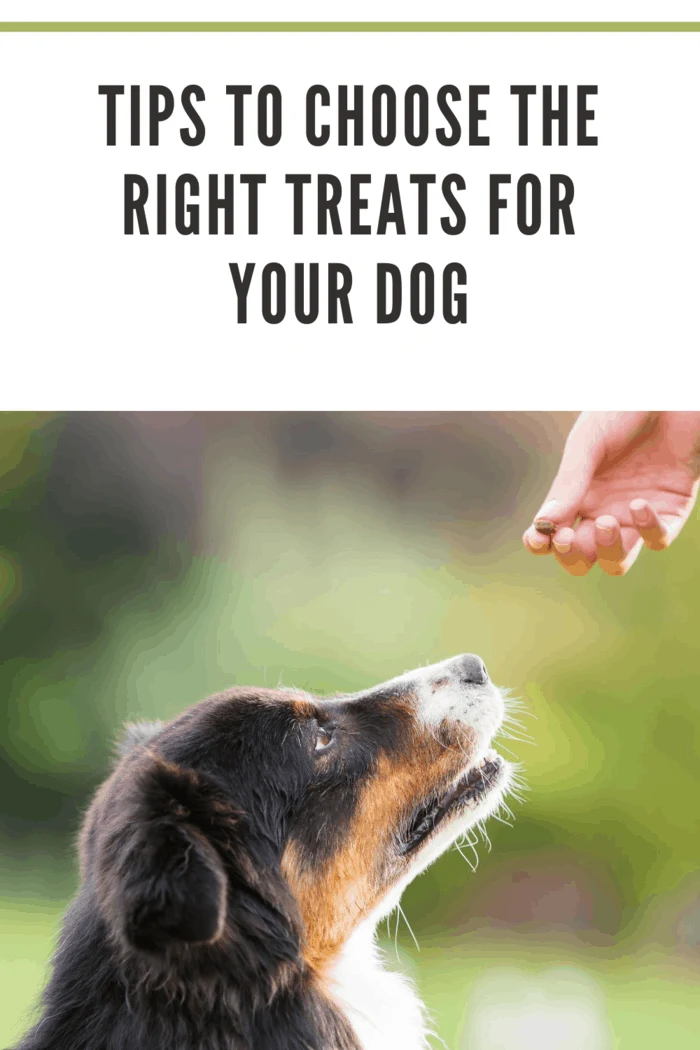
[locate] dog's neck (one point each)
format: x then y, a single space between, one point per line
382 1006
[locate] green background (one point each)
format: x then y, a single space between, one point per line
149 559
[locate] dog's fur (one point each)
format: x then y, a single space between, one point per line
237 860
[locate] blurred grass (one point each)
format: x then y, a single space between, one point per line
26 933
642 1003
333 555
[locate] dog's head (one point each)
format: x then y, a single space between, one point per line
271 823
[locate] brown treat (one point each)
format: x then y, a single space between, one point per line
547 528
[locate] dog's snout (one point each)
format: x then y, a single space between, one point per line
455 690
472 670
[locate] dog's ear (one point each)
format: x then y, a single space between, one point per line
159 841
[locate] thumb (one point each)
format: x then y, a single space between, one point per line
583 453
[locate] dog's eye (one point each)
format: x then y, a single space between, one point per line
324 738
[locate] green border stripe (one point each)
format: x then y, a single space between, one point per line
349 27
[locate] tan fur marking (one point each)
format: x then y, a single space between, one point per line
334 899
302 707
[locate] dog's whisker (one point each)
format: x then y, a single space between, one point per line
403 916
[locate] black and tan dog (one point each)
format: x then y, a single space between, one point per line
236 862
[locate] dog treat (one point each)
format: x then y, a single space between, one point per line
547 528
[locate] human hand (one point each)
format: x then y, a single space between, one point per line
626 479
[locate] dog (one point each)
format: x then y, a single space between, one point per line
235 864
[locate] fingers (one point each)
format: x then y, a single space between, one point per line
655 533
536 542
616 548
573 550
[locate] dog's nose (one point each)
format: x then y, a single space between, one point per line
472 669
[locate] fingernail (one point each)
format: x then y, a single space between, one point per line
642 516
605 535
561 548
